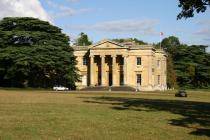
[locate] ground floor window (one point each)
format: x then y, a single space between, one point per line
158 78
84 61
138 79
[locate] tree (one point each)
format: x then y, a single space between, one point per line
34 53
83 40
191 63
193 66
171 73
130 40
170 44
191 6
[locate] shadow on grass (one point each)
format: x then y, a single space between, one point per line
196 115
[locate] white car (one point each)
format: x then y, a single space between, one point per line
60 88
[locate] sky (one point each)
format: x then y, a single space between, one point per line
108 19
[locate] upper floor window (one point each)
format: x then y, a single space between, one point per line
84 61
138 61
158 63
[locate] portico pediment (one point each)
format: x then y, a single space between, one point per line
107 44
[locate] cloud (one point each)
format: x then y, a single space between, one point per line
135 26
23 8
72 1
205 22
204 30
65 11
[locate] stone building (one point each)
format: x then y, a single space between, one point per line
108 63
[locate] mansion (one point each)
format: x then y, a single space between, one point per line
108 63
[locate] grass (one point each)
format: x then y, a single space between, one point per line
40 115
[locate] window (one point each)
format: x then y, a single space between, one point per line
138 60
138 79
158 78
84 61
158 63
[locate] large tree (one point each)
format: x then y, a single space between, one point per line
83 40
130 40
34 53
171 73
189 7
170 44
191 63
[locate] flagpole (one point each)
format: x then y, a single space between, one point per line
161 34
160 42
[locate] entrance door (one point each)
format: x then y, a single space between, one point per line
99 78
110 78
121 78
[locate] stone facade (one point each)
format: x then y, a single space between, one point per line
108 63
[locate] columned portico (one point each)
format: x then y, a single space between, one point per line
107 73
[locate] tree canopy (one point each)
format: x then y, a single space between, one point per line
171 73
34 53
170 44
132 40
191 63
83 40
189 7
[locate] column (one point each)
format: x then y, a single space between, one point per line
114 74
103 72
92 71
149 70
125 70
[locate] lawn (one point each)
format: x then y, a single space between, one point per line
48 115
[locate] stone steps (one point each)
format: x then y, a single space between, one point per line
122 88
106 88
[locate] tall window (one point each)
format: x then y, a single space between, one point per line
158 78
138 79
138 60
158 63
84 61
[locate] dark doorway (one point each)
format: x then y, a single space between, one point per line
121 78
99 77
110 78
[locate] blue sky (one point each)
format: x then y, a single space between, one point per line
106 19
